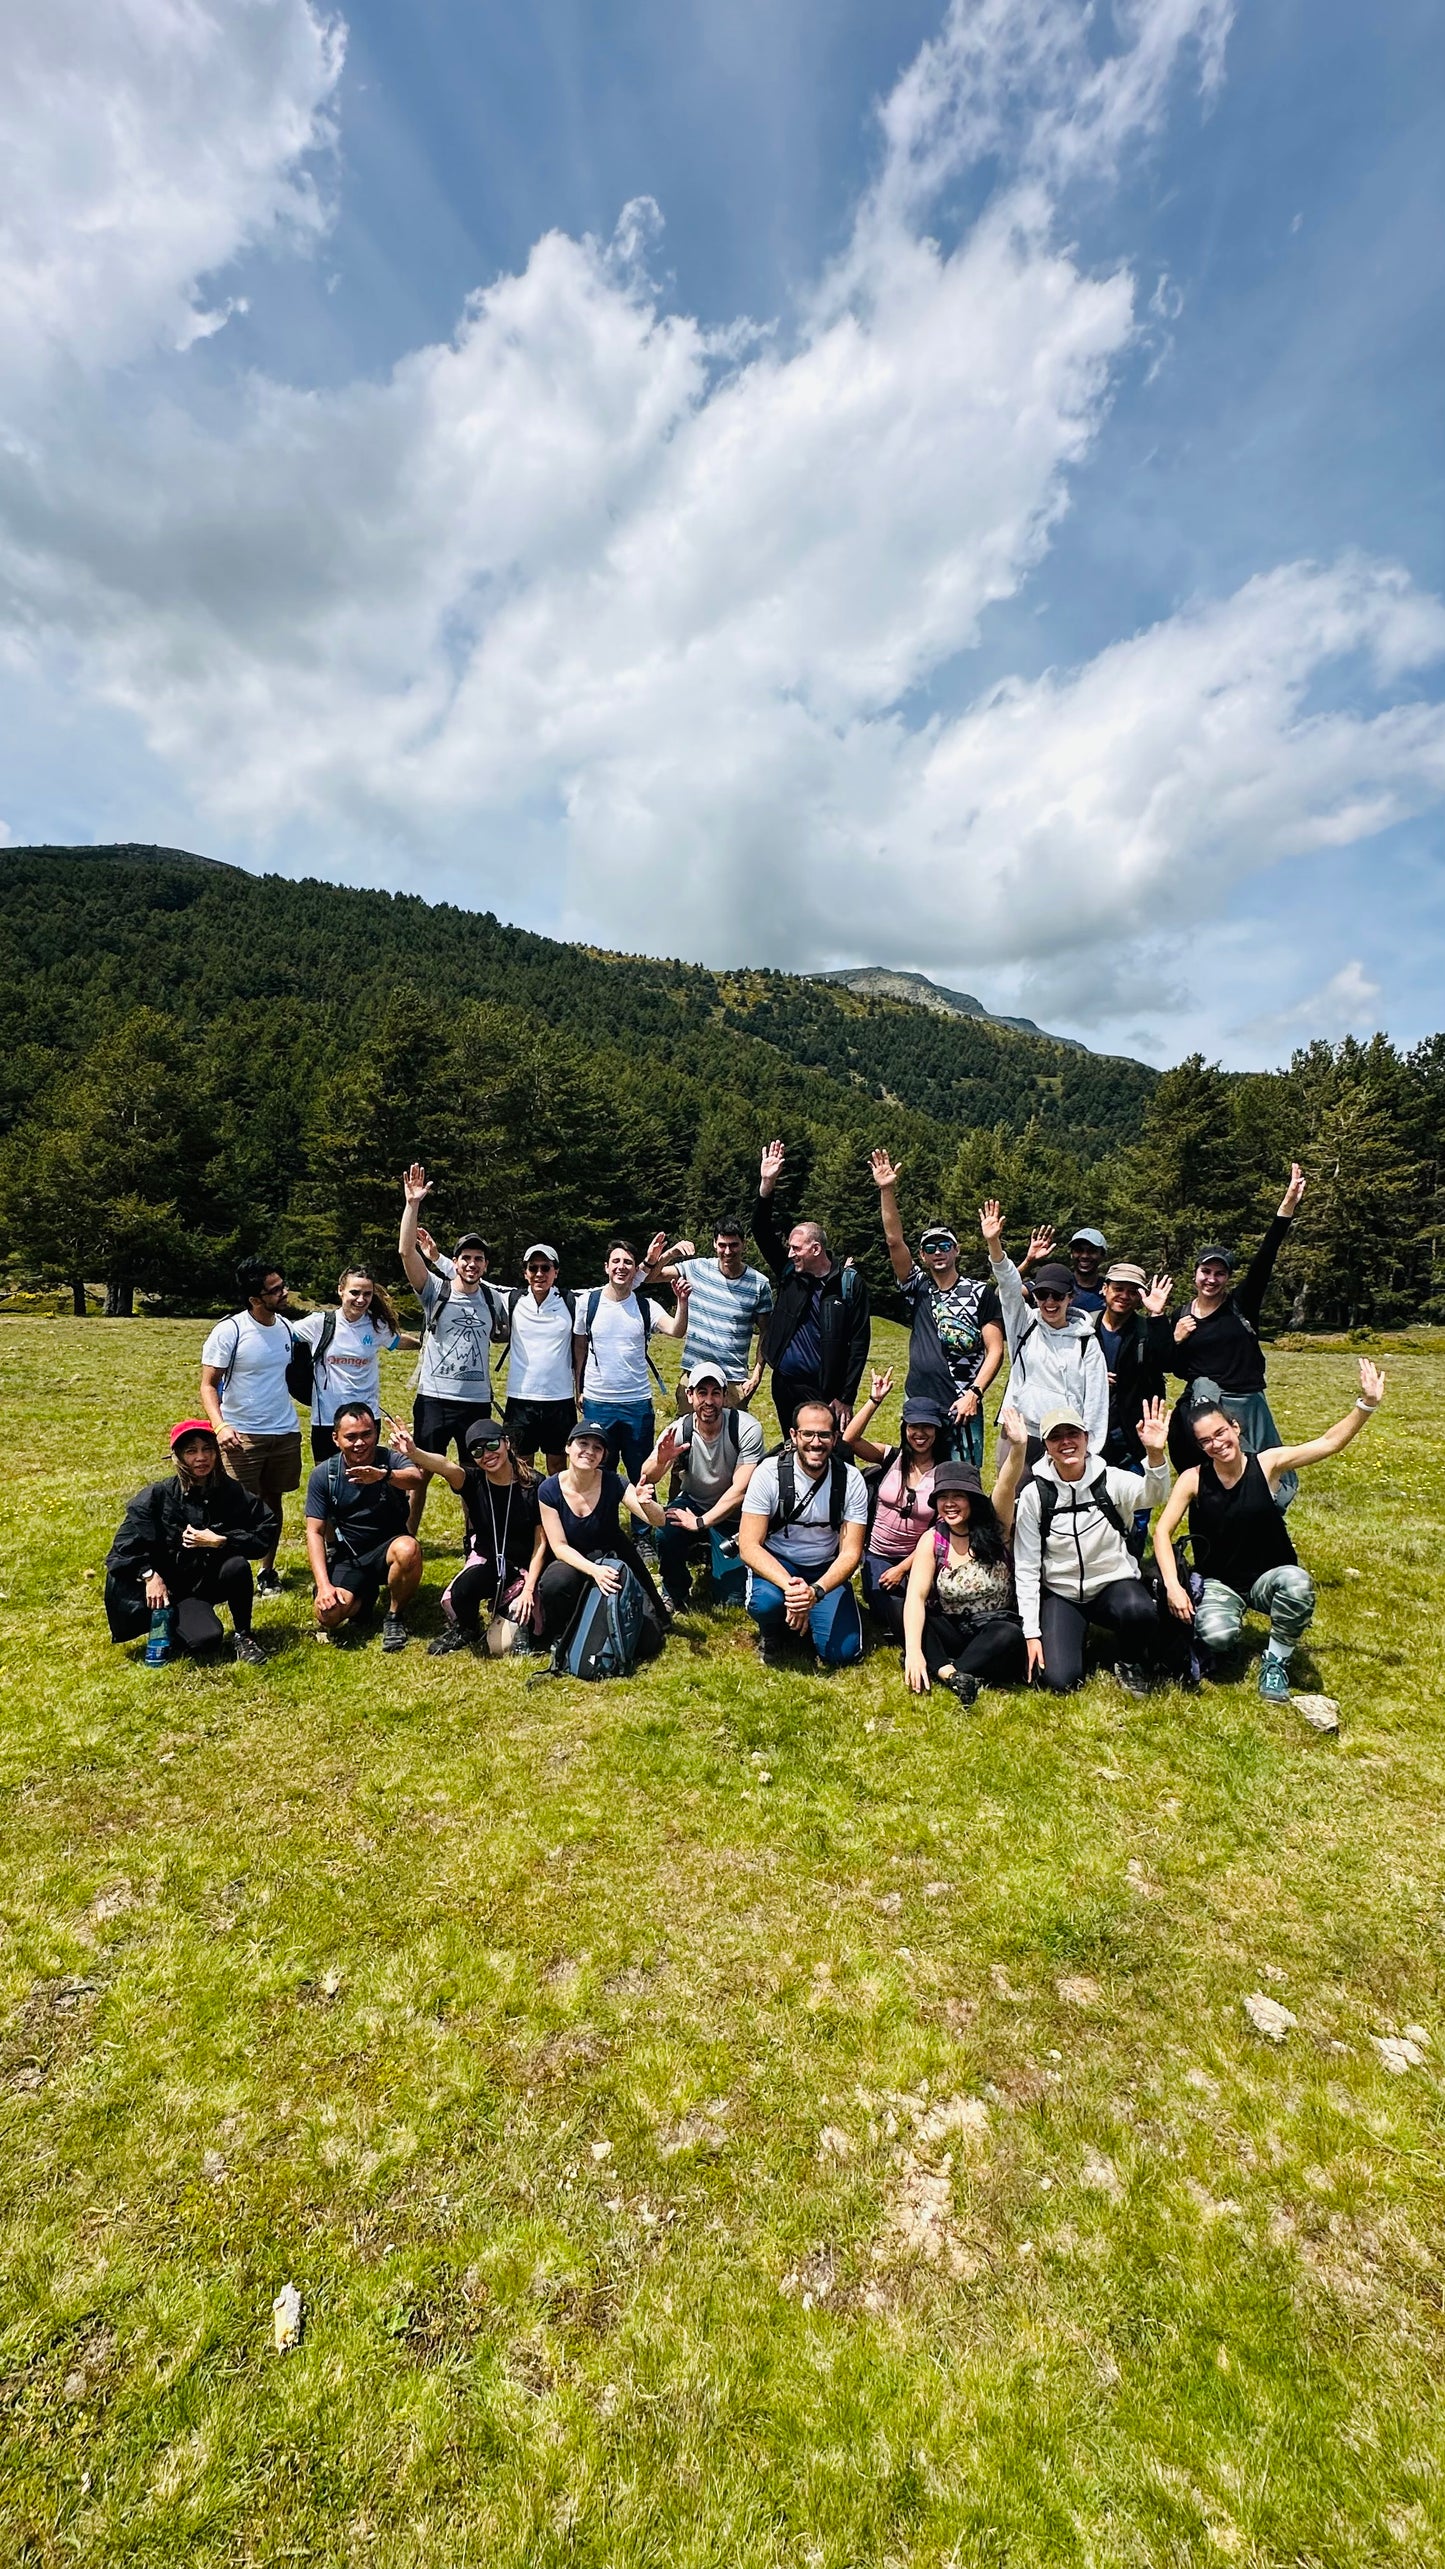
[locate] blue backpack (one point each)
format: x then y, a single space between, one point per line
610 1633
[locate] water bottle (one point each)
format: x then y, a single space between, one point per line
158 1646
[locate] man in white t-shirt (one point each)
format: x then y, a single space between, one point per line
614 1381
541 1407
244 1395
346 1346
802 1531
712 1457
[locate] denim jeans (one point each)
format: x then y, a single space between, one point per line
834 1622
629 1431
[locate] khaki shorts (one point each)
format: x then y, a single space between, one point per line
732 1399
267 1466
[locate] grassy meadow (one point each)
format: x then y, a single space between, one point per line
731 2118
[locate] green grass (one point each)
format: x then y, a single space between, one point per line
1084 2271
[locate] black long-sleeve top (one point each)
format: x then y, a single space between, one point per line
150 1532
1225 1348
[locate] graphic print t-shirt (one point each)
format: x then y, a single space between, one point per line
959 1312
350 1368
457 1358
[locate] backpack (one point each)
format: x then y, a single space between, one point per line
1098 1491
336 1483
789 1509
611 1633
300 1371
515 1295
309 1360
501 1322
589 1314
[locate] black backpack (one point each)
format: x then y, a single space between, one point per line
685 1428
515 1295
789 1509
399 1506
300 1369
1098 1491
589 1314
501 1320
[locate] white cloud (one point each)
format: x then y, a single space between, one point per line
1347 1004
145 143
587 582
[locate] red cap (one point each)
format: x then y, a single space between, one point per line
191 1427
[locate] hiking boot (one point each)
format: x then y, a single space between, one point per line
267 1584
446 1642
963 1684
1274 1678
772 1653
248 1650
1134 1679
393 1632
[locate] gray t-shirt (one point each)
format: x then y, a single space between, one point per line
710 1468
456 1360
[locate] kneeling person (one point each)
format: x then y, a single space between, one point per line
712 1455
185 1547
1072 1561
801 1536
1241 1543
356 1537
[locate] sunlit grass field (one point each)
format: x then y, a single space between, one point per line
726 2118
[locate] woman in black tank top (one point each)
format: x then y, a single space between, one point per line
1237 1528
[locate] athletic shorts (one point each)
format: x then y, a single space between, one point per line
540 1426
360 1574
267 1466
436 1424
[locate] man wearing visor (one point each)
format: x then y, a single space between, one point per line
956 1338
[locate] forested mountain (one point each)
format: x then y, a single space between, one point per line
194 1060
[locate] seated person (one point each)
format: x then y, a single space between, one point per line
802 1538
960 1621
356 1537
900 1494
581 1519
711 1455
186 1546
506 1548
1073 1564
1241 1543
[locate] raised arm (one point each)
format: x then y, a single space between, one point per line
673 1324
415 1186
1096 1396
886 1173
1005 1274
1010 1471
1293 1458
855 1436
1249 1296
765 1221
405 1443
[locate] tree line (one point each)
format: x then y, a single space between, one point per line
177 1089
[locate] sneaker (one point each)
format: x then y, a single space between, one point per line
963 1684
393 1633
1134 1679
445 1643
772 1653
327 1638
249 1651
267 1584
1274 1678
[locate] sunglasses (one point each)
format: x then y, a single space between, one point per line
1046 1296
539 1266
937 1241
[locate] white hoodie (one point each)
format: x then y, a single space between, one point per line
1084 1553
1052 1368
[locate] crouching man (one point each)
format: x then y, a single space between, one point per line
803 1522
356 1537
185 1547
712 1455
1072 1562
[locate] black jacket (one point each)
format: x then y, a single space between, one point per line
150 1535
843 1316
1145 1348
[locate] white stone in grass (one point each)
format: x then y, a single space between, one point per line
833 2142
1416 2034
1398 2053
287 2318
891 1903
1320 1711
1099 2174
601 2150
331 1984
1268 2017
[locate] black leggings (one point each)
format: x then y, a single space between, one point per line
1126 1609
478 1585
561 1589
993 1652
224 1582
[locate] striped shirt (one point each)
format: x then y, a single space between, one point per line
722 1314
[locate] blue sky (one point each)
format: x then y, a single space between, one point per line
958 525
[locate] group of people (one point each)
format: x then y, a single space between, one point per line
974 1586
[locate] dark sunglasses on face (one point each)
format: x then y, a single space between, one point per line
1051 1297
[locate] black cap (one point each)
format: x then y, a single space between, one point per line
920 1412
471 1240
587 1428
958 1476
1217 1251
484 1431
1053 1277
